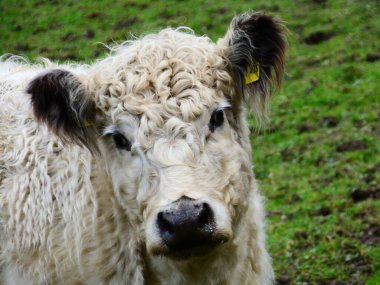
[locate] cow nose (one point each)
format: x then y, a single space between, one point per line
186 224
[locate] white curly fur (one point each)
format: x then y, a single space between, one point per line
70 217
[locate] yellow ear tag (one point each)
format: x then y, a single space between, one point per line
87 123
252 75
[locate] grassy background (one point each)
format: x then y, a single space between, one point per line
318 162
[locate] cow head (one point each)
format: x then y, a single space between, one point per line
165 113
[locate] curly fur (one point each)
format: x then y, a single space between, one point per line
72 216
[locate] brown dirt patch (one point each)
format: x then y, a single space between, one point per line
271 8
140 6
94 15
69 37
330 121
320 2
371 235
359 195
283 279
89 34
323 211
351 145
318 37
125 23
372 57
222 10
17 28
22 47
305 127
287 154
370 174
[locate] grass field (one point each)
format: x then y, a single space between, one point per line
318 162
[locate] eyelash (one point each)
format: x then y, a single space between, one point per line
216 120
121 142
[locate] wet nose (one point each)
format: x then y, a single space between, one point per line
187 224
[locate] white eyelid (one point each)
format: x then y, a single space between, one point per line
223 105
109 130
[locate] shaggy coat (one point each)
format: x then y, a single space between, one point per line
137 168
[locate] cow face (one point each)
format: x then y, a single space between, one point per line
165 114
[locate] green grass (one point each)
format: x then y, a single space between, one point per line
322 148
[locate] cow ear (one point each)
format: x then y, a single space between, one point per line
59 99
256 47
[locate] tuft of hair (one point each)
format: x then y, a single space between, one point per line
59 100
257 38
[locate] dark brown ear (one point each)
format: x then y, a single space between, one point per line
257 39
59 100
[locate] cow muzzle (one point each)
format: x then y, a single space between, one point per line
187 228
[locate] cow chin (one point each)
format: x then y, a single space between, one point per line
192 251
188 228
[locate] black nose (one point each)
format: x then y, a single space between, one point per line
186 224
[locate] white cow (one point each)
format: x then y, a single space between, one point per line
137 169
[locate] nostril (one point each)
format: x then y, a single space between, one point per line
164 224
206 218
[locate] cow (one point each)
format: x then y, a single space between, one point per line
136 169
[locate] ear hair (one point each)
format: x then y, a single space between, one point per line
59 100
257 38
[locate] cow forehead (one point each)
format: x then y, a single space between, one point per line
164 75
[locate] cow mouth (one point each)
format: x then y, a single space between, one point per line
191 250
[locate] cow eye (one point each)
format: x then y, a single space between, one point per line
121 142
216 120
